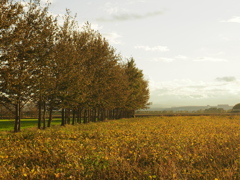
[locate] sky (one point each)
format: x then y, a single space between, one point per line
189 50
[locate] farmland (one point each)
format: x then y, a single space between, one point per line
201 147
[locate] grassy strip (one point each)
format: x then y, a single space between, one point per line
8 125
141 148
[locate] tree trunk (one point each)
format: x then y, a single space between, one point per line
110 112
97 114
17 118
79 118
116 113
44 115
103 114
85 116
133 113
113 113
94 114
50 117
63 117
106 114
39 113
67 115
73 117
89 115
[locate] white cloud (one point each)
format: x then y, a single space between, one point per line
116 17
234 19
114 8
226 79
188 92
113 38
136 1
96 27
210 59
185 58
117 12
163 59
223 37
169 59
181 57
220 53
155 48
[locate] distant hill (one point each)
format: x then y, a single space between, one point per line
190 108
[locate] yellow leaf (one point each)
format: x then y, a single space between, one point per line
57 175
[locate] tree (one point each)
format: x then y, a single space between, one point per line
22 43
14 79
138 87
45 28
102 63
66 64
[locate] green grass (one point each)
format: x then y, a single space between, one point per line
8 124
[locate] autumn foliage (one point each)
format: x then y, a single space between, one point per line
141 148
63 67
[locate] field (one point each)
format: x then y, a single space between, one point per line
179 148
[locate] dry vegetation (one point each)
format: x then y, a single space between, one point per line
141 148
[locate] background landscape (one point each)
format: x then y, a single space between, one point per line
188 50
73 99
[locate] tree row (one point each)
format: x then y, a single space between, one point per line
63 67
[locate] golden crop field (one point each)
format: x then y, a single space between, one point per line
179 148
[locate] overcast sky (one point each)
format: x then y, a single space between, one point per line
189 50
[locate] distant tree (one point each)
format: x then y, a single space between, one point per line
5 113
200 111
30 110
214 110
138 87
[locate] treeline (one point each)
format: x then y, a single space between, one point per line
201 111
63 67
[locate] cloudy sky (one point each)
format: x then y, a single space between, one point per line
188 50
